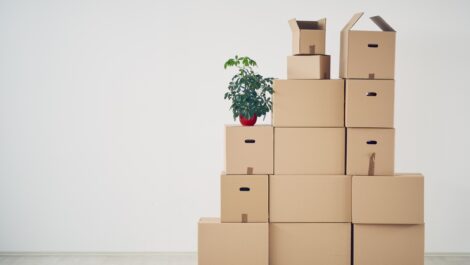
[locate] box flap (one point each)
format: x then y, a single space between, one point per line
322 24
380 22
297 25
352 21
293 25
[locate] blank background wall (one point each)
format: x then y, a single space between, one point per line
112 113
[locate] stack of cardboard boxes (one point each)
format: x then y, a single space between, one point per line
318 187
387 208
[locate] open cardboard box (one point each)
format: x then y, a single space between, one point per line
367 54
308 37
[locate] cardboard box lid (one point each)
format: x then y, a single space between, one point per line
379 21
298 25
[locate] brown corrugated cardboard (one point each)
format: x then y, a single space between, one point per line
309 151
308 103
232 243
310 243
388 244
369 103
310 198
365 144
388 199
367 54
249 149
244 198
308 37
308 67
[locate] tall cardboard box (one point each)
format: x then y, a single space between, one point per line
308 103
232 243
309 151
388 199
310 198
388 244
310 243
244 198
308 67
249 149
367 54
369 103
308 37
370 152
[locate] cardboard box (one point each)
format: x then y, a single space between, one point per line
388 199
249 149
367 54
310 198
244 198
309 151
308 37
369 103
308 67
388 244
232 243
310 243
308 103
370 152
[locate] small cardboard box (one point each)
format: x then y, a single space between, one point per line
310 243
370 152
388 244
249 149
308 103
309 151
232 243
367 54
310 198
388 199
308 67
244 198
308 37
369 103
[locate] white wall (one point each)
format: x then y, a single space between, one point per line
112 113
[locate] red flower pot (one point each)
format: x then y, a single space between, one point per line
247 122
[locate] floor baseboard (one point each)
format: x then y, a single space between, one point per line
111 253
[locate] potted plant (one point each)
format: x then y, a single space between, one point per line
249 92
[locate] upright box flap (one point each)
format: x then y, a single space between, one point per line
297 25
293 25
381 23
353 21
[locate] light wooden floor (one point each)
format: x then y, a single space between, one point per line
155 259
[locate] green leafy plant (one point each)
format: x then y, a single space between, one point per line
249 92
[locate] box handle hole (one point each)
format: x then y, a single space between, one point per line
371 94
372 45
372 142
250 141
244 189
